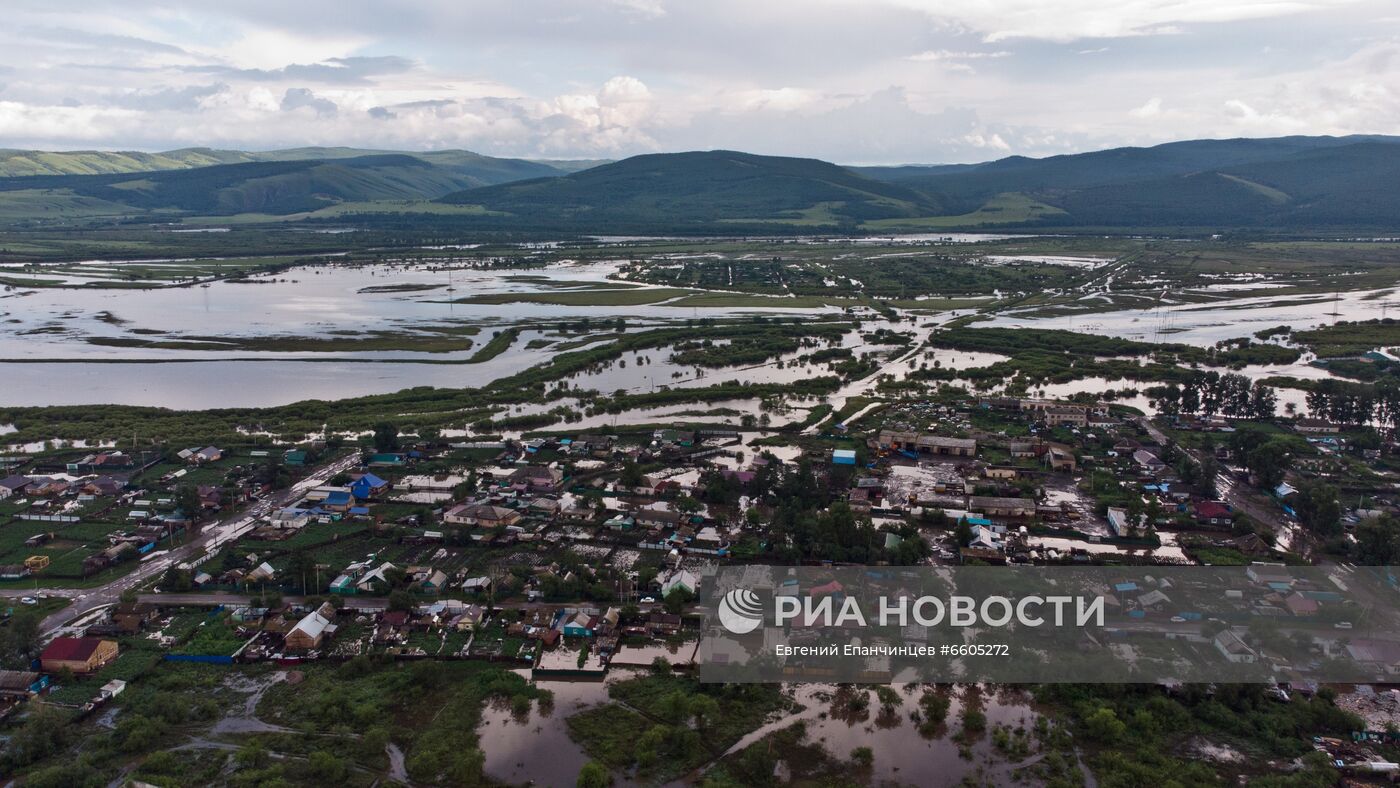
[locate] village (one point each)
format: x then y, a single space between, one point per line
573 555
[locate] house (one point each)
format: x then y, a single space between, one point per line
578 625
658 517
1060 459
131 617
484 515
201 456
261 572
477 585
948 447
537 479
338 501
1149 462
1213 513
926 444
45 487
434 582
294 457
368 486
1300 605
375 576
843 457
681 579
1316 427
104 485
21 683
1022 449
314 628
674 437
387 461
1001 507
210 497
984 538
1276 576
597 445
664 623
470 618
343 584
1121 526
78 655
290 517
1060 416
11 486
1233 649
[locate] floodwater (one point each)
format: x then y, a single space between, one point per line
903 754
46 357
536 747
1207 324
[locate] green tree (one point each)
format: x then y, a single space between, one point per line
187 501
401 600
963 532
593 775
1318 508
1104 726
386 437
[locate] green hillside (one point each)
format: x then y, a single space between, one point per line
712 188
257 187
15 163
1349 186
474 168
1295 184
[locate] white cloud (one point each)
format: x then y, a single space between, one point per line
1151 109
1070 20
943 54
850 80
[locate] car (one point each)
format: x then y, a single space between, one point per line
1178 620
648 599
28 600
1342 625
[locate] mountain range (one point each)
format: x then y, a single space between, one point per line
1326 184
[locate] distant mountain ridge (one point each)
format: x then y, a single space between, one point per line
479 169
1203 183
273 187
704 188
1294 184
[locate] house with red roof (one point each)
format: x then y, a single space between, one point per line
1213 513
79 655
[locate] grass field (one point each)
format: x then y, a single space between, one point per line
610 297
1008 208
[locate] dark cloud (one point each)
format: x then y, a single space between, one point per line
300 98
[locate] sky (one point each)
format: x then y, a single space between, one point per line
852 81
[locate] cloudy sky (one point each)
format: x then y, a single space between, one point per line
854 81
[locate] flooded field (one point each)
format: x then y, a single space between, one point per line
535 747
905 752
298 334
1206 324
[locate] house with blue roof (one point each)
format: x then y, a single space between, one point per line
337 501
368 486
